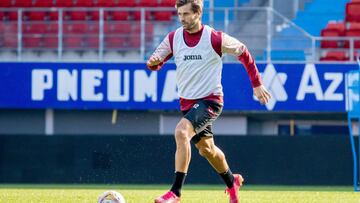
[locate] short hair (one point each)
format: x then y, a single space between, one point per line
196 5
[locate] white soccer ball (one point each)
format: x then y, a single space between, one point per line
111 196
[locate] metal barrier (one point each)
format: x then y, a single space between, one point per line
260 28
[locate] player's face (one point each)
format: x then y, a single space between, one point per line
187 17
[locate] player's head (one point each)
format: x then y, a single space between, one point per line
189 12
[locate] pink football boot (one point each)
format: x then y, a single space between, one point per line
233 192
168 197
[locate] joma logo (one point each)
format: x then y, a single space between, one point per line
192 57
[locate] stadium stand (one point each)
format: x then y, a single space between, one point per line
337 49
313 12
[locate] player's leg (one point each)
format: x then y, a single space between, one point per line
183 133
216 158
213 154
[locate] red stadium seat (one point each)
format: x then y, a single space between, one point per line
83 3
54 15
73 42
52 28
137 15
92 42
135 42
335 56
120 15
115 42
43 3
50 41
124 3
37 15
116 28
79 28
10 41
64 3
352 12
78 15
32 41
95 15
166 3
163 15
338 26
35 28
330 43
353 31
6 3
2 15
23 3
13 15
10 28
147 3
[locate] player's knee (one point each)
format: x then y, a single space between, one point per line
206 151
181 134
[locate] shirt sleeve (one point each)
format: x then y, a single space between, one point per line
232 46
163 51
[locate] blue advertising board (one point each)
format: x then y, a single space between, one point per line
294 87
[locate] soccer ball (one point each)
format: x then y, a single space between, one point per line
111 196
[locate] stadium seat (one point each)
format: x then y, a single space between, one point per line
52 28
353 31
128 3
6 3
72 28
34 28
78 15
335 56
135 41
115 42
338 26
54 15
50 41
42 3
13 15
95 15
64 3
330 43
2 15
163 15
166 3
114 28
137 15
73 42
146 3
32 41
352 12
92 42
120 15
10 41
83 3
23 3
37 15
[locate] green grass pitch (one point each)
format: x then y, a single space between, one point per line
191 193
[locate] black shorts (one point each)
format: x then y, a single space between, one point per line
201 116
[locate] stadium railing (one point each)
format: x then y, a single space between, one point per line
68 31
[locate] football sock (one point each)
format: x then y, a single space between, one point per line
228 178
178 183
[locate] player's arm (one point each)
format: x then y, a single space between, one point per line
162 53
232 46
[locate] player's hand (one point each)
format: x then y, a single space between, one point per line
153 61
262 94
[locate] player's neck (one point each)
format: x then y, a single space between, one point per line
196 28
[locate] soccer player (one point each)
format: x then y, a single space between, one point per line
197 51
